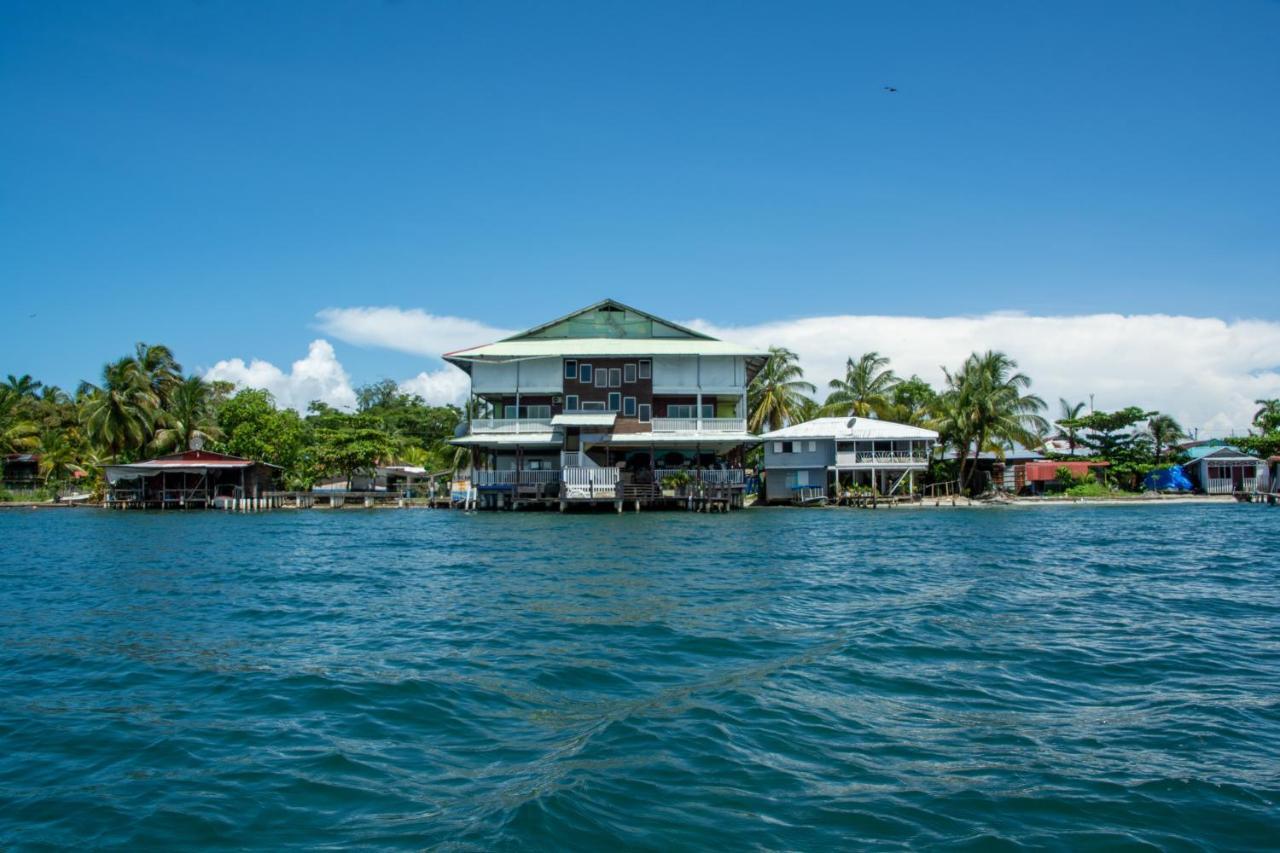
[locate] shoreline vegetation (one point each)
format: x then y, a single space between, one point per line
143 405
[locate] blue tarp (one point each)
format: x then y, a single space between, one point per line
1167 480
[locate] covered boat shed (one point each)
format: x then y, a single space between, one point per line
193 479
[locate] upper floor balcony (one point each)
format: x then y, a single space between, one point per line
704 425
886 458
509 426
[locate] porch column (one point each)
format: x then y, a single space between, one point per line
699 412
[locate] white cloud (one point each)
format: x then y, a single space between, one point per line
319 376
1205 371
413 330
439 387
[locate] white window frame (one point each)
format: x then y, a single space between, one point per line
541 411
615 377
615 401
644 368
570 368
602 378
629 373
584 373
644 412
628 407
510 412
777 447
813 447
593 406
708 410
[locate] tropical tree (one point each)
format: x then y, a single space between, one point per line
1267 418
22 386
189 415
356 447
58 456
120 413
1164 432
988 407
912 401
162 371
17 431
778 394
865 389
1067 413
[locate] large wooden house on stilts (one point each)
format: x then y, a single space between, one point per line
608 405
192 479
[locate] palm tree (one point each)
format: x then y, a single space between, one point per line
1267 418
777 395
189 415
1068 412
990 409
865 389
57 456
161 369
120 414
1164 432
17 430
22 386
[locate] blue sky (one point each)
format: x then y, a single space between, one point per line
213 174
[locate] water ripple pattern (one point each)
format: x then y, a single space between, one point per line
1069 677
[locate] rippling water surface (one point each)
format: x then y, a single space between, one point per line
1067 676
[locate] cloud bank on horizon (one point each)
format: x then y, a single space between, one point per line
1203 370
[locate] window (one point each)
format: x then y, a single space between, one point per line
679 410
709 410
646 369
646 413
813 446
615 377
543 412
615 401
570 368
571 403
629 407
602 377
628 373
593 406
584 374
777 447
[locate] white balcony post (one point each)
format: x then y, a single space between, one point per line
699 410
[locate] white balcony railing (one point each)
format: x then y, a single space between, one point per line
721 425
507 426
1226 485
882 457
730 476
508 477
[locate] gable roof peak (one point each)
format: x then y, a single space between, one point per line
598 320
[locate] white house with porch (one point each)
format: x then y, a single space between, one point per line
848 452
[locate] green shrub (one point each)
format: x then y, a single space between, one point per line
1090 489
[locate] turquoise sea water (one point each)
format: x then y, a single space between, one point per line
802 679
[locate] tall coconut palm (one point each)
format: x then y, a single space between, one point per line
1267 418
991 406
1164 432
161 369
777 395
23 386
119 414
865 389
1068 412
188 416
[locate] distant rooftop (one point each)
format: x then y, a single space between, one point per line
852 428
